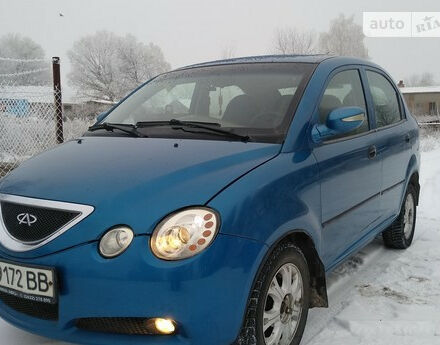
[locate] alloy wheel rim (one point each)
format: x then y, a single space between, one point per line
408 217
283 306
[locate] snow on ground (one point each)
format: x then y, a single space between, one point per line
389 297
380 296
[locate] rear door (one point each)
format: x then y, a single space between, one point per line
349 171
393 139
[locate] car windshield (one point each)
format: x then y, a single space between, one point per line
257 100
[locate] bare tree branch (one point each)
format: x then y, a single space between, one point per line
107 66
228 52
294 41
15 46
424 79
345 37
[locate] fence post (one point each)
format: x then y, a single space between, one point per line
57 99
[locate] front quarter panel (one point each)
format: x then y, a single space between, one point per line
273 200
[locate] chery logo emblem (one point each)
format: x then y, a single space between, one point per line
26 218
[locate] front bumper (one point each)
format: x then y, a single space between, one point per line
206 294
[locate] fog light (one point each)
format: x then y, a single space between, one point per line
164 326
115 241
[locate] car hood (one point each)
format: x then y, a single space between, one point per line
133 181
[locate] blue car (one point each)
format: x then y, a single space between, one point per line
209 205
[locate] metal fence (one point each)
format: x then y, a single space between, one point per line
31 116
429 125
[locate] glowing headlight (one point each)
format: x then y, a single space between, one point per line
115 241
185 233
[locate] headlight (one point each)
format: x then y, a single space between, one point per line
185 233
115 241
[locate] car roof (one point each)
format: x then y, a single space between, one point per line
313 59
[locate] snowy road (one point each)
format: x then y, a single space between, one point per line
379 297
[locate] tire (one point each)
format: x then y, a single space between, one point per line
401 233
285 261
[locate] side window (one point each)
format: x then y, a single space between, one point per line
219 98
344 90
385 100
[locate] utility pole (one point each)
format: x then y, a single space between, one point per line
57 99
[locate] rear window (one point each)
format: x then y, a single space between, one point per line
385 100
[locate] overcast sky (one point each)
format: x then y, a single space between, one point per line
190 31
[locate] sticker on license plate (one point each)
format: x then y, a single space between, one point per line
28 282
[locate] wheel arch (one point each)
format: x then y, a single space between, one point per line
414 180
412 177
318 284
305 243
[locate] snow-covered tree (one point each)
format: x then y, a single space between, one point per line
107 66
15 47
294 41
345 37
424 79
228 52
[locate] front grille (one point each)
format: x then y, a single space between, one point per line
117 325
32 224
39 310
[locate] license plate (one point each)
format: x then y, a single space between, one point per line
29 282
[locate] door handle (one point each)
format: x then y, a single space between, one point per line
407 138
372 152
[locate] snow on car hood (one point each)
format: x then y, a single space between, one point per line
135 181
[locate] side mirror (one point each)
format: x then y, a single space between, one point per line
101 117
339 121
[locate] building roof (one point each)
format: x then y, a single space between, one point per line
103 101
420 89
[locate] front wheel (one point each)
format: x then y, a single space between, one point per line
278 306
401 233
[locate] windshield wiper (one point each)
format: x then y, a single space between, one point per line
174 121
127 128
209 126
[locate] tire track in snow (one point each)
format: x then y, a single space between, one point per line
342 287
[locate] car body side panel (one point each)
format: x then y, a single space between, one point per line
393 150
350 192
261 194
394 153
350 183
414 149
280 196
298 141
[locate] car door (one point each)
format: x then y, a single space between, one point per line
393 140
350 173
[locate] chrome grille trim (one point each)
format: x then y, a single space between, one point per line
12 244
